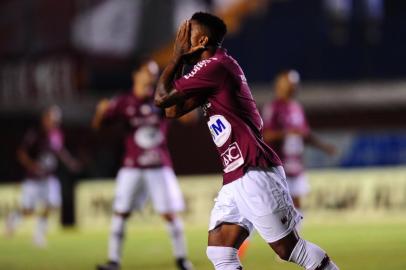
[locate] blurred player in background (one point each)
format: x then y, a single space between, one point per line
255 192
286 130
39 153
147 168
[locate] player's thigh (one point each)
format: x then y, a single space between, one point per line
29 194
227 227
228 235
53 192
164 189
298 185
129 190
263 198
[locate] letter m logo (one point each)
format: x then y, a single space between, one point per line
218 127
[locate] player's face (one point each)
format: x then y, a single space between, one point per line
197 38
284 88
195 34
144 79
52 118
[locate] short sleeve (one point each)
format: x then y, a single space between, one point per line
115 109
205 77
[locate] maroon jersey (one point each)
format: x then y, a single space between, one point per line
288 115
145 139
231 113
43 148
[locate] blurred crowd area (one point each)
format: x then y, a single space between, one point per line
350 55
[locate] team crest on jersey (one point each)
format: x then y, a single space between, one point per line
232 158
220 129
148 137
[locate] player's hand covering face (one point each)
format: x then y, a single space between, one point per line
189 41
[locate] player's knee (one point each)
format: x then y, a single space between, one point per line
27 211
224 258
285 247
168 217
124 215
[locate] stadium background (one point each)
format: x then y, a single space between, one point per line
351 58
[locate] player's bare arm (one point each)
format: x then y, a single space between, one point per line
70 162
166 96
183 108
28 163
316 142
101 109
273 135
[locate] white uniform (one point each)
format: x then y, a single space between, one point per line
298 185
260 199
134 186
41 192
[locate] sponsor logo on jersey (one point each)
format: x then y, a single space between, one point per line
232 158
197 67
220 129
148 137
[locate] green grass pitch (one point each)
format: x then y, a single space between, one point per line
365 245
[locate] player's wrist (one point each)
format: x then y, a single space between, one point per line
177 58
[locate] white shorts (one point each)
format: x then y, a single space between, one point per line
134 186
45 192
260 199
298 185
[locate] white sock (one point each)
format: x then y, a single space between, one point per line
13 220
41 230
116 238
224 258
311 257
175 230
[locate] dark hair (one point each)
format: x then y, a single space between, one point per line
139 62
216 27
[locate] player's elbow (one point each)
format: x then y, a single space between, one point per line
171 112
159 102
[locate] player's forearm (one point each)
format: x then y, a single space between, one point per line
100 113
316 142
25 159
164 96
273 136
68 160
97 121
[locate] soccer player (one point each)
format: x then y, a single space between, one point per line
286 130
254 192
147 169
39 153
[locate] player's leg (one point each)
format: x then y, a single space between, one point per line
298 188
294 249
167 200
262 197
27 206
128 186
46 196
49 194
41 229
227 231
223 244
